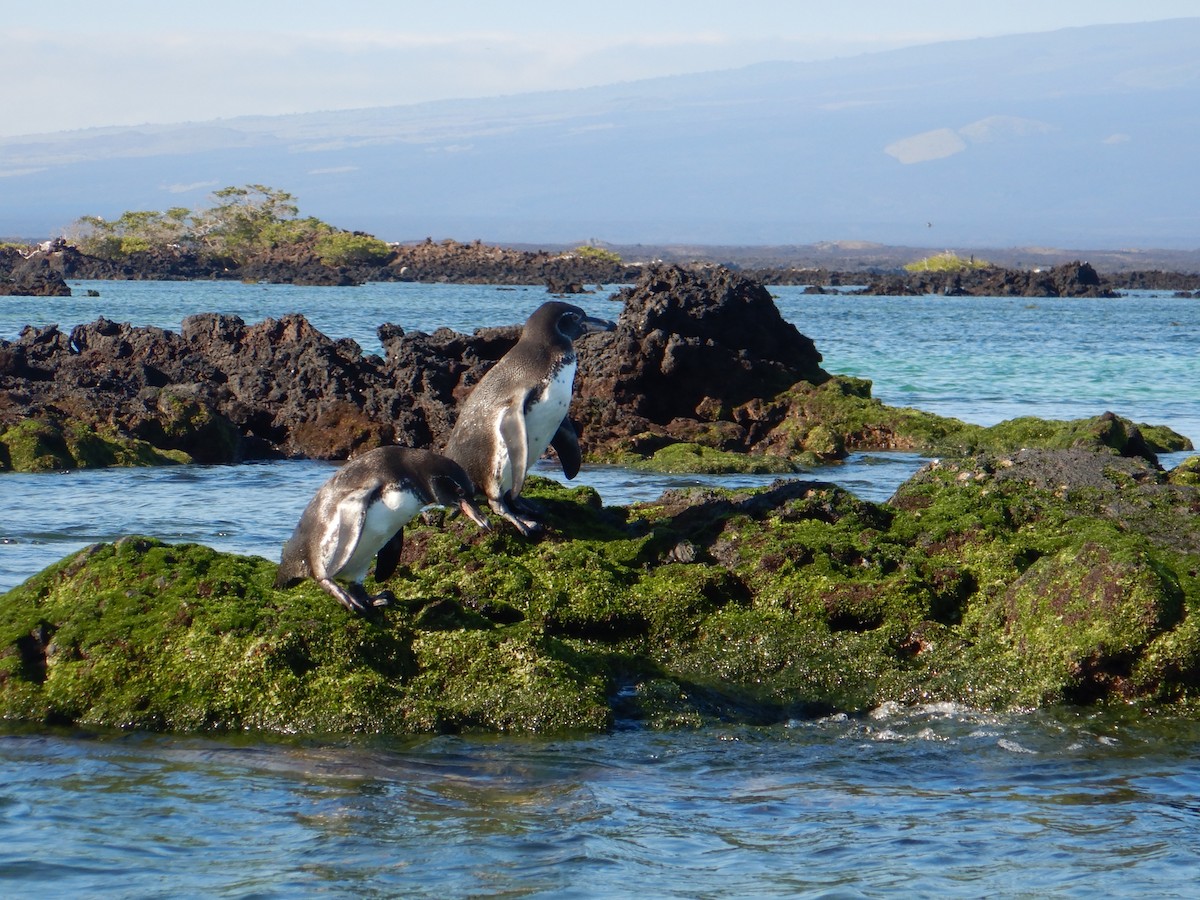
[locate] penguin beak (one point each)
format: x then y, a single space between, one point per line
591 325
471 511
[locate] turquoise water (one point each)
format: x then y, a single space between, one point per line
941 800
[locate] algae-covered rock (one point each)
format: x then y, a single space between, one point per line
1083 615
1187 472
46 444
684 457
996 580
142 634
841 414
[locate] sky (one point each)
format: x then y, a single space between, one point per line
73 64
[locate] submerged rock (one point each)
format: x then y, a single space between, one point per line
997 580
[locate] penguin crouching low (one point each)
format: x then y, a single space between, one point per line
359 515
519 408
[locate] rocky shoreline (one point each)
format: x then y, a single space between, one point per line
1037 563
44 271
702 372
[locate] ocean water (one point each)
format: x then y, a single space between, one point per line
934 801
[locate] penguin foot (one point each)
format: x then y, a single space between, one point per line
528 527
526 507
355 598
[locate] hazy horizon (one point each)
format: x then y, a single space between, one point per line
1080 137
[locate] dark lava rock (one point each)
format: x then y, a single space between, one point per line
690 345
32 277
298 263
1077 279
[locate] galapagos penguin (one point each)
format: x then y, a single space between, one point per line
360 513
519 408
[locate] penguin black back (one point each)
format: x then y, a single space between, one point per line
358 516
520 406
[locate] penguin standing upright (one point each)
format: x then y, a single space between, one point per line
519 408
360 513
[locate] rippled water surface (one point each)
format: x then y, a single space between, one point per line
940 801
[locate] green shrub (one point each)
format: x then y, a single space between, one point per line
946 262
340 248
597 254
284 232
245 221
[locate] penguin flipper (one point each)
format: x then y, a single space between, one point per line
566 444
340 539
388 557
512 433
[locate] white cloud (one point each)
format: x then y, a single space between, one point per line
943 142
929 145
189 188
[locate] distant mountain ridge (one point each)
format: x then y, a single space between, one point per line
1083 137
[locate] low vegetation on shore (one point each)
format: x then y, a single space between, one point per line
256 233
244 222
948 261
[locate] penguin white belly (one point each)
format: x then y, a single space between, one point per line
548 410
394 509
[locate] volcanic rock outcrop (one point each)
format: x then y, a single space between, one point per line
32 276
1076 279
699 358
222 391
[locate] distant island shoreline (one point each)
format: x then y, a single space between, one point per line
44 269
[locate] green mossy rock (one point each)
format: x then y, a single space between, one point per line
845 407
45 445
691 458
998 581
1187 472
808 425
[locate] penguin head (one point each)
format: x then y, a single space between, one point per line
566 321
449 485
